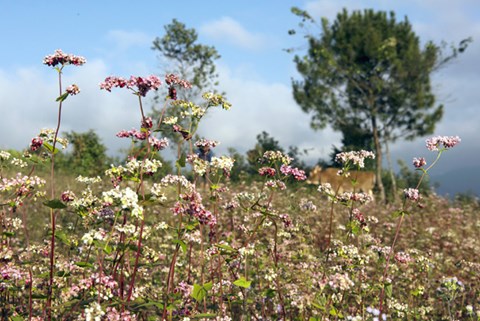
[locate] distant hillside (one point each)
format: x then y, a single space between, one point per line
462 180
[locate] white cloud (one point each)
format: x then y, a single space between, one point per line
229 30
27 104
257 107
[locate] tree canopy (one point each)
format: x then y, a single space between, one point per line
369 73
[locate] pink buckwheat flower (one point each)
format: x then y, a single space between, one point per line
147 122
73 90
144 85
139 85
36 143
111 82
267 171
433 144
419 162
411 194
60 58
158 144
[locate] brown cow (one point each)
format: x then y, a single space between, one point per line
365 181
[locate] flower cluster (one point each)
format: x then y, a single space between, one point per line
411 194
187 108
273 156
419 162
267 171
276 184
298 174
216 100
362 198
73 90
158 144
199 165
48 136
173 80
36 143
127 198
139 85
60 58
206 144
354 157
223 163
433 144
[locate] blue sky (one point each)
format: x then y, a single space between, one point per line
116 36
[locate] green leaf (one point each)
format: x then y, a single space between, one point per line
199 292
9 234
388 290
55 204
314 319
203 315
62 97
84 264
242 282
225 247
182 244
49 147
16 318
181 162
61 236
398 213
107 249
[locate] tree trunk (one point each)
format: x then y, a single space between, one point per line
390 169
378 158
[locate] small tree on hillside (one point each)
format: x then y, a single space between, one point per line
181 54
88 156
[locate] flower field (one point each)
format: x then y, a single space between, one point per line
193 245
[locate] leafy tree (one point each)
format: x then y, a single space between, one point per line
369 70
240 169
187 58
182 55
88 156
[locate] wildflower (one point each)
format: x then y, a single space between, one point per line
147 123
158 144
200 166
172 79
340 282
298 174
60 58
411 194
419 162
216 100
276 184
170 120
18 162
206 144
4 155
88 180
224 163
355 157
307 205
403 258
434 143
67 196
267 171
139 85
36 143
326 188
73 90
274 156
